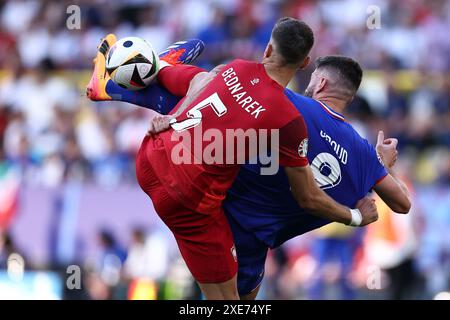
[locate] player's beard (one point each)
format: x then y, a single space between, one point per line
308 92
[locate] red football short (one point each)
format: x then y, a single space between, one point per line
205 241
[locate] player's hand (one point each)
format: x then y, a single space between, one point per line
368 210
159 124
387 150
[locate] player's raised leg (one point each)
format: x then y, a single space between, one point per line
102 88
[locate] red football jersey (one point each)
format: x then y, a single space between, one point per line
235 116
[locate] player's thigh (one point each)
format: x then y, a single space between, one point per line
164 205
207 246
145 174
251 254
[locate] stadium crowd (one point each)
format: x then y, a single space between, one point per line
50 134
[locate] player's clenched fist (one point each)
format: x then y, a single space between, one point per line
387 149
368 210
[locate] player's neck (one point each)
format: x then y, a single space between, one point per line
334 103
279 74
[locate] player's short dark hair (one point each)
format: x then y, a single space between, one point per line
293 38
349 71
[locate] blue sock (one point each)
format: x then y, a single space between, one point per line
153 97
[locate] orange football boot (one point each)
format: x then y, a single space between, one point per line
96 89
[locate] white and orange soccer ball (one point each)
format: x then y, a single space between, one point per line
132 63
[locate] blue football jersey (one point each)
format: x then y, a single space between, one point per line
344 164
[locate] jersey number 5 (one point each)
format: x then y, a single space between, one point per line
195 115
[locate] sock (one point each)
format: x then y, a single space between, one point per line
153 97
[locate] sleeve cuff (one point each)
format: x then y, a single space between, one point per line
380 179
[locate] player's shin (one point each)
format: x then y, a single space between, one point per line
153 97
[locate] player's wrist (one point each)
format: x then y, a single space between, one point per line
381 158
387 164
390 170
356 218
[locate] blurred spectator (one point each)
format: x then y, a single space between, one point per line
7 248
390 244
147 256
334 251
146 264
433 257
111 258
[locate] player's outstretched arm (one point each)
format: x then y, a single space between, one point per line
391 189
310 197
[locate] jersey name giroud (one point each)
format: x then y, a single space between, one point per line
340 151
242 98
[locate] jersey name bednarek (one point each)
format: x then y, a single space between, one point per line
344 164
242 98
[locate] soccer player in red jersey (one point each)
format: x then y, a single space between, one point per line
245 97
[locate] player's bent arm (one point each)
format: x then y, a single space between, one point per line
310 197
394 193
196 86
198 82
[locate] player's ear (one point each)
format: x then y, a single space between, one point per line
321 85
305 62
268 51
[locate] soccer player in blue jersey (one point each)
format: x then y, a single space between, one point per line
261 209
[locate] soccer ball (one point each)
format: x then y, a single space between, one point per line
132 63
